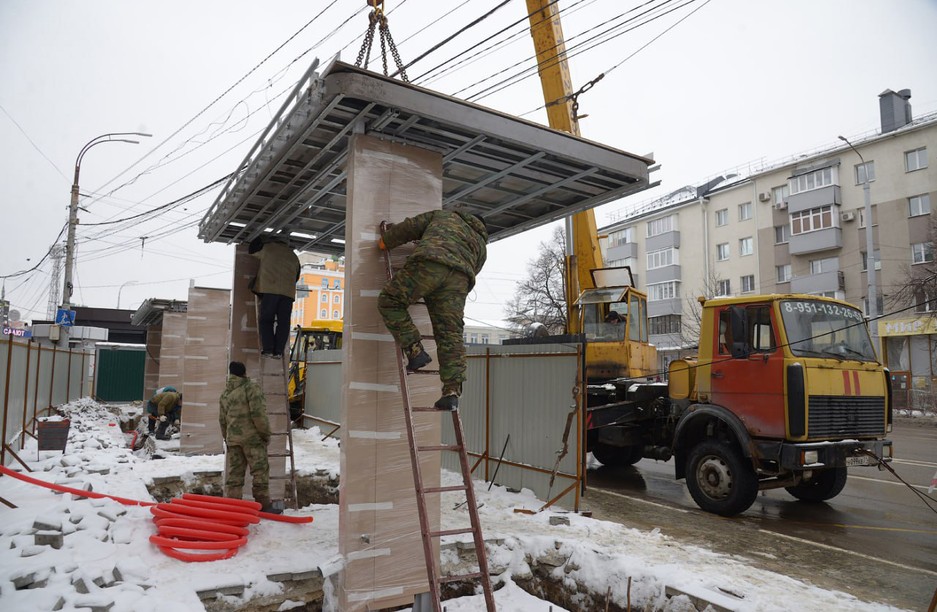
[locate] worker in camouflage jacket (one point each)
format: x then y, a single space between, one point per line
450 251
246 432
165 409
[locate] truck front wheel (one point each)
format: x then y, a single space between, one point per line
720 480
825 484
617 456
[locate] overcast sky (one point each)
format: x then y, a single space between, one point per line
735 82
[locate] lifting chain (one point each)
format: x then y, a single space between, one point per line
379 19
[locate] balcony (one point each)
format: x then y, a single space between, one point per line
660 275
834 280
662 241
659 308
815 198
819 240
626 250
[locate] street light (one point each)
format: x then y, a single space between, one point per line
121 289
73 207
869 246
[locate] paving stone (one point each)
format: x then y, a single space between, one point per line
559 520
32 551
163 480
49 538
80 585
315 573
47 523
23 580
103 471
59 604
234 589
70 460
118 577
96 602
280 577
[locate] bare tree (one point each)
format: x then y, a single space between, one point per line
541 298
693 311
916 289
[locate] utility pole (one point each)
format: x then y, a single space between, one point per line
872 291
73 208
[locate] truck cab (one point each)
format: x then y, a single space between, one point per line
786 392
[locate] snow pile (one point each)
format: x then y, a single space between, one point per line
61 552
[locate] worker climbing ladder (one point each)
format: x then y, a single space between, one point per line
273 382
432 561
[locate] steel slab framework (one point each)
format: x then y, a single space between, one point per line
515 173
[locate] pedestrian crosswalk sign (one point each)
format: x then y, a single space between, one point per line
65 317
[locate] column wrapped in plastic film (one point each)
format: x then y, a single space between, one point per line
379 527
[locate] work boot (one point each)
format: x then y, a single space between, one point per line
150 425
266 505
417 357
161 431
449 401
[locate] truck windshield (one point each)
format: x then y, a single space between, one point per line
823 329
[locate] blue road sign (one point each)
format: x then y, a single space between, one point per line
65 317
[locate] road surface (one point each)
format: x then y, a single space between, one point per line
876 540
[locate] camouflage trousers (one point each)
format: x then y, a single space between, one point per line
444 290
237 460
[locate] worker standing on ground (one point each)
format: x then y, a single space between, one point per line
275 283
450 251
246 433
164 409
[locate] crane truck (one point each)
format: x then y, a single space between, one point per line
785 392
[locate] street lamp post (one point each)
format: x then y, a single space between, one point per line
872 291
130 282
73 208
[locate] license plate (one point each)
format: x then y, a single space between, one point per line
861 460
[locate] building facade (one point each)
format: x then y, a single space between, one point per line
798 226
320 291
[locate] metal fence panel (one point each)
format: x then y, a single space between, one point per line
324 385
120 374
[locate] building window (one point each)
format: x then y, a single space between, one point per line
323 313
623 236
863 170
915 160
661 226
627 261
919 205
748 283
335 314
782 234
337 299
922 252
827 264
663 291
336 284
325 297
325 283
745 211
813 180
783 273
925 300
865 260
781 193
667 324
811 220
880 303
746 246
662 258
484 338
722 251
722 217
723 288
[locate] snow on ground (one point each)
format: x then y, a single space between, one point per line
101 536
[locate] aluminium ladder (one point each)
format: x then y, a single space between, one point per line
432 570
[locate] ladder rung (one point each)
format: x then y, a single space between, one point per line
434 372
445 579
446 532
426 409
439 447
445 489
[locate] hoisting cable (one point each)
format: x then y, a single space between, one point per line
927 499
377 18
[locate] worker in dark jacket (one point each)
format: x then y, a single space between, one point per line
164 409
246 433
450 251
275 283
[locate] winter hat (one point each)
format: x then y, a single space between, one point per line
237 368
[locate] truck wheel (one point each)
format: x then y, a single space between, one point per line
617 456
826 484
720 480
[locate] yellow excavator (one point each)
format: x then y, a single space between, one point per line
319 335
601 303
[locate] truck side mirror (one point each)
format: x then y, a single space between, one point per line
738 321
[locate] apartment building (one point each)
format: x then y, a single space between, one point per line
320 291
798 226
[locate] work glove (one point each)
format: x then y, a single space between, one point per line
380 244
162 418
176 422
